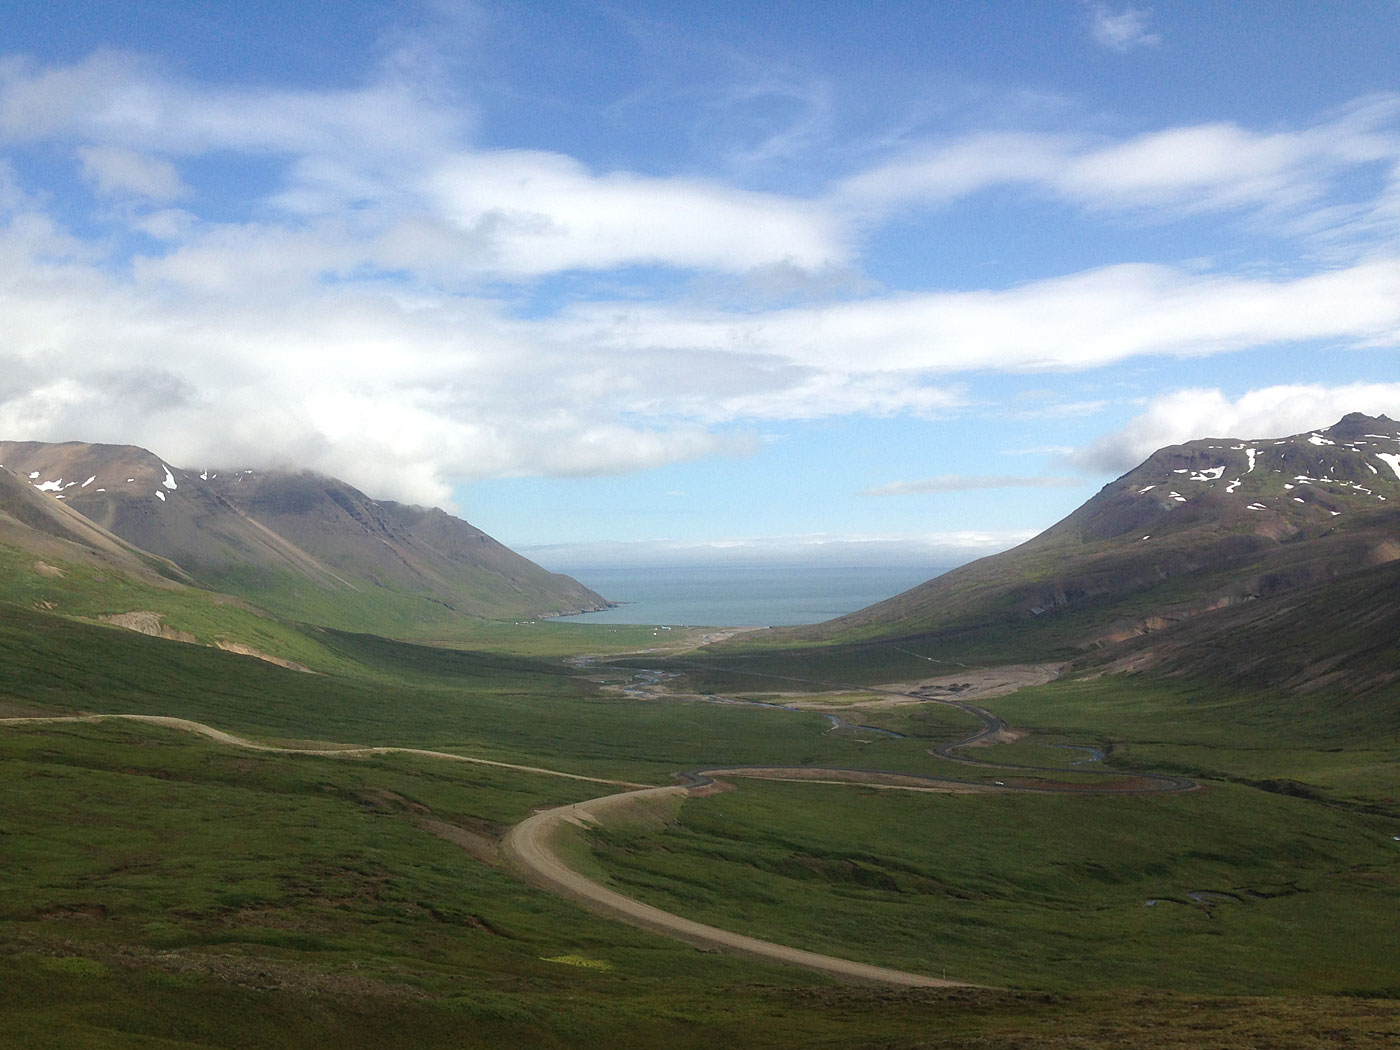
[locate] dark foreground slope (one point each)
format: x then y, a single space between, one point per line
300 544
1207 525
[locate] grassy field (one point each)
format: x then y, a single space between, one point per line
86 593
164 891
1282 874
1337 747
161 890
1041 892
491 705
171 867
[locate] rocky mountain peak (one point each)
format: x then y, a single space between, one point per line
1267 486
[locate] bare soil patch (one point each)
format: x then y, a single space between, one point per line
979 683
1002 736
148 623
248 650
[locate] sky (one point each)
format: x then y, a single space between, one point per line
624 281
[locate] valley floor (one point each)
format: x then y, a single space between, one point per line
1046 875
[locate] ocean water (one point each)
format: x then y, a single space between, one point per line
741 595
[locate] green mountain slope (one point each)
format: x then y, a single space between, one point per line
55 560
302 545
1206 525
1341 637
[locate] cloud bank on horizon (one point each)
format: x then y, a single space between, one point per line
453 269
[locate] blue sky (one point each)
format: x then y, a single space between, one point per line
627 280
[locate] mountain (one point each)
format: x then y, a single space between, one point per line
300 544
44 527
55 560
400 548
1342 636
1202 526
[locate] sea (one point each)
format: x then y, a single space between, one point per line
740 595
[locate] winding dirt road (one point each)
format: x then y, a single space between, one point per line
530 847
527 845
222 737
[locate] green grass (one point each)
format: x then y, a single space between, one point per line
362 606
751 664
162 891
1041 892
560 638
158 890
83 592
147 1006
136 852
488 705
1334 746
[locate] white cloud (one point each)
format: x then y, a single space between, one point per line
119 172
966 483
167 224
393 166
539 213
823 394
1082 321
402 395
111 98
343 319
240 351
1269 412
1174 170
1125 30
944 172
398 164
